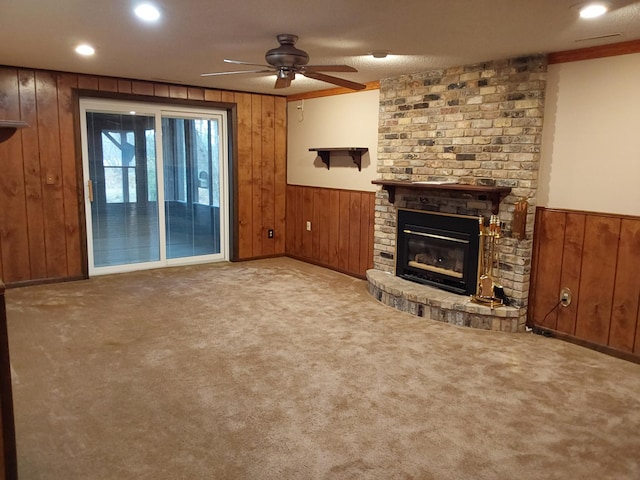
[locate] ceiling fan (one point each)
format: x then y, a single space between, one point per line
287 60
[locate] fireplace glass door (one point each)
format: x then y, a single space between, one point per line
439 250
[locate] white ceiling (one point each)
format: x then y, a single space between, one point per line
194 36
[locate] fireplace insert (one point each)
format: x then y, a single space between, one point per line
438 249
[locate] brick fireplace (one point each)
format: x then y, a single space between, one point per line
477 125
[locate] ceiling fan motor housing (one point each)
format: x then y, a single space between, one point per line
287 55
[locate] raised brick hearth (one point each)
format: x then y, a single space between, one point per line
479 125
435 304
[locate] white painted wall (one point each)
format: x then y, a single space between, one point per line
348 120
591 138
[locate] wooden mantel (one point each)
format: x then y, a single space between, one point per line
495 194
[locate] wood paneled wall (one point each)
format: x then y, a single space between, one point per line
42 233
341 235
596 256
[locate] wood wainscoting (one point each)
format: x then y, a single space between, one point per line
596 256
42 232
341 235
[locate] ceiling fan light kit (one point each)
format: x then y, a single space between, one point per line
287 60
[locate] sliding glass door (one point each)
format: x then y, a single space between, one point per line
155 182
191 185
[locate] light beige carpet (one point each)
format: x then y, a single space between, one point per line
276 369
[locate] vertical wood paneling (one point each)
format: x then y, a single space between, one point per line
70 174
597 278
316 224
41 229
334 229
141 88
551 239
355 244
244 177
341 235
600 265
32 175
267 167
571 267
51 164
124 86
107 84
230 97
290 219
366 233
213 96
178 91
344 229
627 288
161 90
88 82
535 260
298 221
636 346
257 174
13 228
307 216
195 93
323 201
280 173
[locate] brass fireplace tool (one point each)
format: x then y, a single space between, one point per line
489 291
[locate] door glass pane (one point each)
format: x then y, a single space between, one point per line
132 185
191 154
124 227
152 184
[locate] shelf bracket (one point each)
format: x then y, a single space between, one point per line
354 152
9 127
391 192
325 156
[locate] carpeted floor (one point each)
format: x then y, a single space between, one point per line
276 369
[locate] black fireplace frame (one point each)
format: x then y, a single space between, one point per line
463 228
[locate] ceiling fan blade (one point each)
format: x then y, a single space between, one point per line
327 68
341 82
234 73
238 62
282 82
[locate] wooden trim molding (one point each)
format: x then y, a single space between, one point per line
630 357
589 53
331 91
8 453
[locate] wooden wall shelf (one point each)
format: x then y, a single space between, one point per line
9 127
354 152
495 194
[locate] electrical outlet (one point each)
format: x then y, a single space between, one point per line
308 226
565 297
270 233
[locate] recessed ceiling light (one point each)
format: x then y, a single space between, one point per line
593 10
85 50
380 53
147 12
